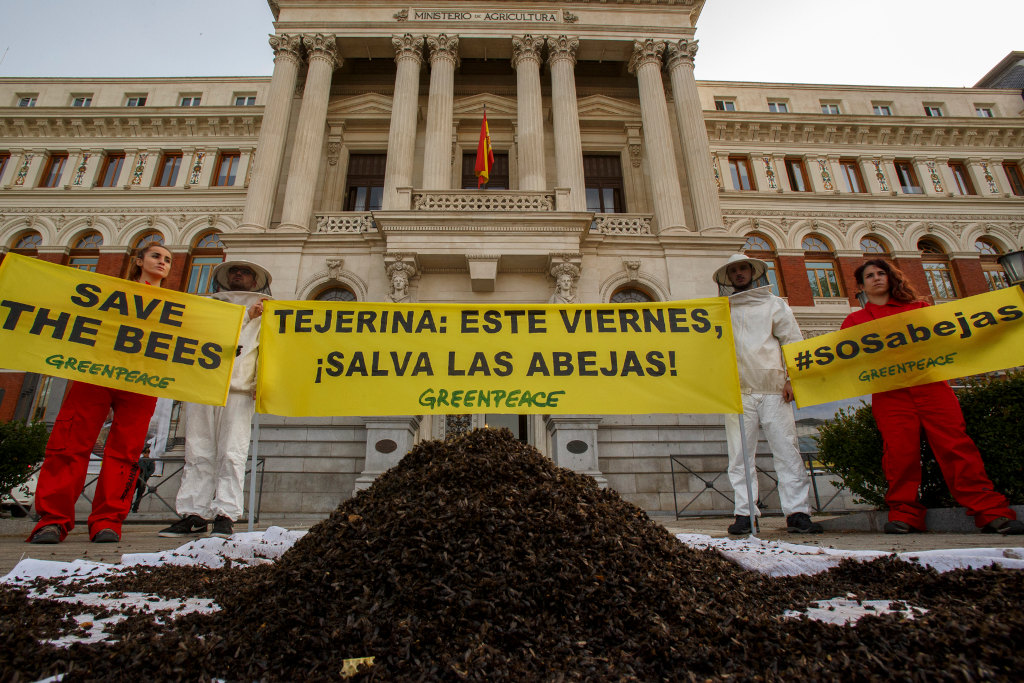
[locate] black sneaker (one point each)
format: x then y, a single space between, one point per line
222 527
1002 525
190 525
740 526
48 534
800 523
899 528
106 536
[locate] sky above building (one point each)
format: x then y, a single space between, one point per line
863 42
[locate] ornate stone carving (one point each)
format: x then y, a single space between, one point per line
80 171
334 268
648 51
526 47
401 15
563 47
634 155
408 46
399 275
566 276
621 224
322 46
681 52
632 267
568 17
483 201
333 147
350 223
197 167
444 47
287 46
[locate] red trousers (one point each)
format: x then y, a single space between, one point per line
901 414
62 477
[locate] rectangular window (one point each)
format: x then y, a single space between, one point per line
771 273
907 177
797 175
245 100
365 186
725 105
940 280
85 263
602 177
227 167
851 173
742 179
881 109
497 177
135 101
829 108
995 278
961 178
53 171
190 100
167 174
1013 174
778 107
930 110
199 281
822 277
983 112
111 170
83 101
27 101
4 158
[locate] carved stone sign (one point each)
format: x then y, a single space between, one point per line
495 15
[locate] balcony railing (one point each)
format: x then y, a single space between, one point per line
621 224
505 201
345 223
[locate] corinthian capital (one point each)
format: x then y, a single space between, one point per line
681 52
646 51
408 47
526 47
321 46
563 47
286 45
444 47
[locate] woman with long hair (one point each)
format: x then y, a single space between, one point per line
901 415
85 409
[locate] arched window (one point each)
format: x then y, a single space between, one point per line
147 238
936 268
27 243
85 252
990 252
870 244
821 267
335 294
207 252
630 295
760 247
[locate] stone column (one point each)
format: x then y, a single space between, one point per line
437 152
388 439
700 177
665 189
259 200
402 135
566 116
309 135
529 117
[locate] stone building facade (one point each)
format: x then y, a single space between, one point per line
348 174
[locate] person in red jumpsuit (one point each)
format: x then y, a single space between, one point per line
901 414
81 416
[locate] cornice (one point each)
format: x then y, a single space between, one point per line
114 123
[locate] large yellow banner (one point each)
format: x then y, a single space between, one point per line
977 334
320 358
103 330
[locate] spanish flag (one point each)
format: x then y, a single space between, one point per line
484 154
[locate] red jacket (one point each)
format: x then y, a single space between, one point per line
873 311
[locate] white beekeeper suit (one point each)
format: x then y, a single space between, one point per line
761 324
217 437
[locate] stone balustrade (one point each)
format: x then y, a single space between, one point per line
505 201
346 223
622 224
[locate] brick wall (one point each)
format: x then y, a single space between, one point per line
794 280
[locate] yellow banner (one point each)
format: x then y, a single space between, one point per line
320 358
103 330
977 334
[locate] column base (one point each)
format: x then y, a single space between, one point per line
388 439
291 227
574 444
251 228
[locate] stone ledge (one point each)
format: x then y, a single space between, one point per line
943 520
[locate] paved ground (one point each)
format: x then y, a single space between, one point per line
141 537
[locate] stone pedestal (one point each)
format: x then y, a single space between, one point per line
574 444
388 439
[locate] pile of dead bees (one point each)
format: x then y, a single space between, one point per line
478 559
